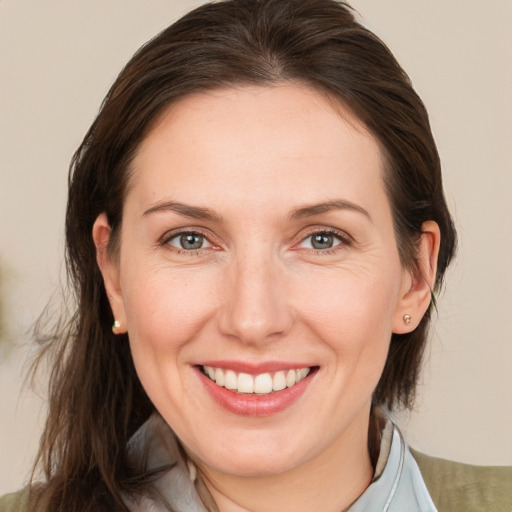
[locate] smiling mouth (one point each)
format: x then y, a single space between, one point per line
260 384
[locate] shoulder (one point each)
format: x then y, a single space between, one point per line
15 502
454 486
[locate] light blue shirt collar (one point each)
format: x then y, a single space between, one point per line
400 487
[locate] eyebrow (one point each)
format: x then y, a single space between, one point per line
200 213
317 209
194 212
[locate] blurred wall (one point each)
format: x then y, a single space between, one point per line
57 60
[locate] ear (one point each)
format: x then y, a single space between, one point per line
418 283
101 232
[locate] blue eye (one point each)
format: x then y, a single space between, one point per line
322 240
189 241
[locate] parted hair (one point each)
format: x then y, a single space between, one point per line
96 401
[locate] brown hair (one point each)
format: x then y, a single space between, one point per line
96 400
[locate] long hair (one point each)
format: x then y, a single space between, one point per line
96 400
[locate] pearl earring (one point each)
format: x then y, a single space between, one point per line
407 319
115 326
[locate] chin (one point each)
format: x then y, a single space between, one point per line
257 458
260 466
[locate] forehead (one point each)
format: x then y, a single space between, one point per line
233 143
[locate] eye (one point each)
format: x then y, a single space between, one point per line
321 241
189 241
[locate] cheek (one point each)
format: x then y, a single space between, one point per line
351 309
352 313
165 308
165 311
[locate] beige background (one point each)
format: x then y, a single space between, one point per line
57 59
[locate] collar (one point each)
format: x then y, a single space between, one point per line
399 486
396 486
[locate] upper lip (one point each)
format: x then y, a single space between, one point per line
255 368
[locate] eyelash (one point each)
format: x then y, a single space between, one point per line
344 239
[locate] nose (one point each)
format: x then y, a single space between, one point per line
255 308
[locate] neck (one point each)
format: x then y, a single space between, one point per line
330 481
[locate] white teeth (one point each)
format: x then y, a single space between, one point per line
279 381
303 373
261 384
230 380
219 376
245 383
291 378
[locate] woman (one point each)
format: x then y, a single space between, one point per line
255 226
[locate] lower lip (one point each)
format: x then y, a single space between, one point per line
255 405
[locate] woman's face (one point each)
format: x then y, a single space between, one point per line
257 240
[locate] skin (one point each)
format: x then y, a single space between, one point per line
257 290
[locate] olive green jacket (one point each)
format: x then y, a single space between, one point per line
456 487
